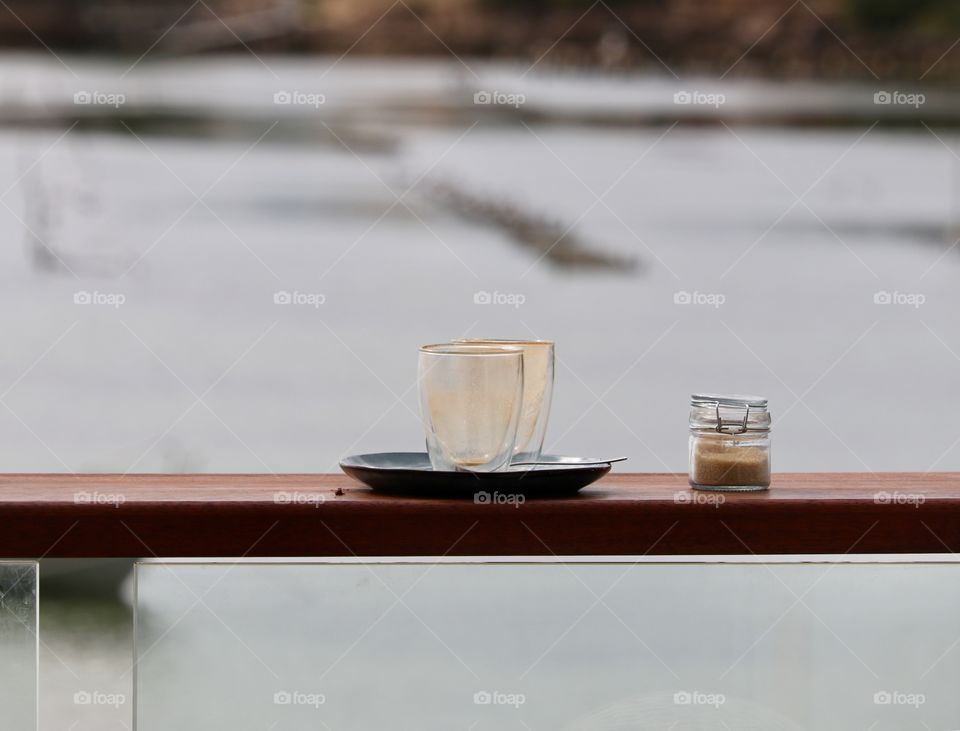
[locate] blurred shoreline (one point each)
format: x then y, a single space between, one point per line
819 39
227 94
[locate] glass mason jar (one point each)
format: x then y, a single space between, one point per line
729 443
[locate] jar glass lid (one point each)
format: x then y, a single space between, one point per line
736 400
728 414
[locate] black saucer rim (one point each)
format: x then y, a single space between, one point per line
559 481
353 462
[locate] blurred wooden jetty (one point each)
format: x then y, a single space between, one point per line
549 239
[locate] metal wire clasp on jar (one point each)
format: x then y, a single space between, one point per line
729 442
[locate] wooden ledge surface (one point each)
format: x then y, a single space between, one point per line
91 515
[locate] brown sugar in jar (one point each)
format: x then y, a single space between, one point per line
729 443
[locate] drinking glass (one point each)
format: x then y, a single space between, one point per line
538 373
470 400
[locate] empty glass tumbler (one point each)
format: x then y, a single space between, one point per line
470 403
538 375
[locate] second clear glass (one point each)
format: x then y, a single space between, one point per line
538 377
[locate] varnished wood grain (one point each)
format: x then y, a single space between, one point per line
331 515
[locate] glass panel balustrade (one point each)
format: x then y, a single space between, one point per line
648 645
18 646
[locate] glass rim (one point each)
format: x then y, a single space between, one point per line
470 349
506 341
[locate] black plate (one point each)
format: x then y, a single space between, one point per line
410 473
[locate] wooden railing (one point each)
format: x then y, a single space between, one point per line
331 515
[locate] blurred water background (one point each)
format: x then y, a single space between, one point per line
665 251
